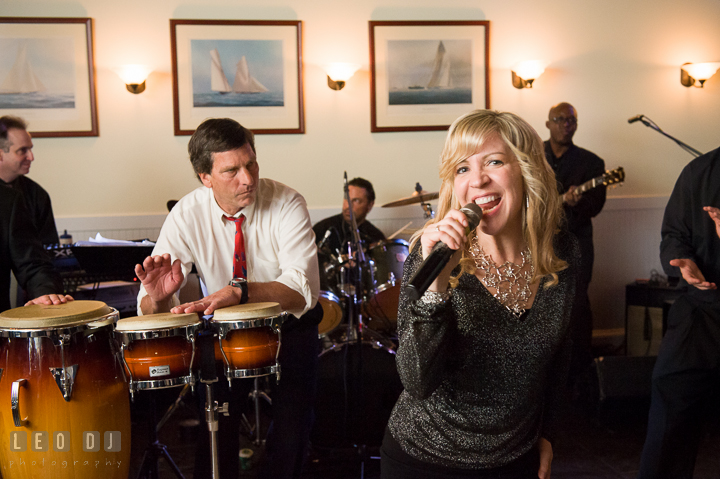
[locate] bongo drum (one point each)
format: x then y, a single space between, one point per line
158 350
249 339
64 405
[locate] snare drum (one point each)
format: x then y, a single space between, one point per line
332 312
157 350
249 339
62 388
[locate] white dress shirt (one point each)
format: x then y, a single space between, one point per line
279 241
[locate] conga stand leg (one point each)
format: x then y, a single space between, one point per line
256 394
155 451
208 376
212 411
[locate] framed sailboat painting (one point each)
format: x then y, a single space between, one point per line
47 75
424 74
249 70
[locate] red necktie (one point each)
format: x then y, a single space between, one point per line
239 261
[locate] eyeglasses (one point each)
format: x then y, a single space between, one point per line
561 120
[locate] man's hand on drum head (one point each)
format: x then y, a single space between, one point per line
161 277
51 299
219 299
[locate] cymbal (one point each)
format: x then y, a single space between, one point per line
411 200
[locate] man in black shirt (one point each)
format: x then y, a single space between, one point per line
573 166
686 374
334 233
16 156
21 252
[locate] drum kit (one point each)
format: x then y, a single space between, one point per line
71 370
359 383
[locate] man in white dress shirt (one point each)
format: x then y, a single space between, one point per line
281 266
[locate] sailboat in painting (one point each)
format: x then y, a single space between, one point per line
22 77
244 81
218 80
440 75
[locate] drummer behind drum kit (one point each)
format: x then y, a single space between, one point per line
67 370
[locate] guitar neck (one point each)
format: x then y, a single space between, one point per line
589 185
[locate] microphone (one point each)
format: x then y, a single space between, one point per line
324 239
636 118
439 257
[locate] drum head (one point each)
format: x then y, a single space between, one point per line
153 322
44 316
247 311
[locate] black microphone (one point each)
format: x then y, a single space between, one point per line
439 257
636 118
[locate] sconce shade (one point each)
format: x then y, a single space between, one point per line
525 73
134 77
339 73
690 73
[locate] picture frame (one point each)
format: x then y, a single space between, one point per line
47 75
265 94
425 74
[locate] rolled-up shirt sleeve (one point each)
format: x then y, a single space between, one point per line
297 253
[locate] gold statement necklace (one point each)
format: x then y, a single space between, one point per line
510 281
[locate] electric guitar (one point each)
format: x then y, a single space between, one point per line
610 178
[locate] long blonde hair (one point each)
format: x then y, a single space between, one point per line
541 217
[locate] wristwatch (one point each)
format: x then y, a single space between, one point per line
242 284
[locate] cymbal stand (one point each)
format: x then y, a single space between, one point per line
428 212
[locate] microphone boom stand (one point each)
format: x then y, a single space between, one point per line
652 125
355 320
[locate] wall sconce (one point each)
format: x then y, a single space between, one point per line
134 77
525 73
339 73
691 73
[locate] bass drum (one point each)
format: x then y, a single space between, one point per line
358 386
381 307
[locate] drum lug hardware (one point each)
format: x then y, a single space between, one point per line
391 278
15 402
65 379
1 371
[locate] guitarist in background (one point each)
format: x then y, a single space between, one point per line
573 166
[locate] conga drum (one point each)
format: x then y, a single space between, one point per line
249 339
158 350
64 405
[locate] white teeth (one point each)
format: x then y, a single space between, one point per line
485 199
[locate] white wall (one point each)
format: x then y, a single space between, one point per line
612 59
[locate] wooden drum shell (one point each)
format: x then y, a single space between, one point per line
99 402
142 355
249 348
